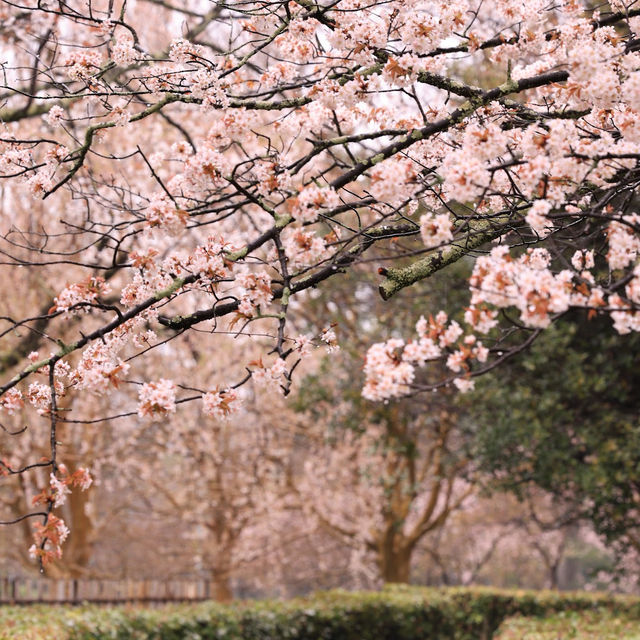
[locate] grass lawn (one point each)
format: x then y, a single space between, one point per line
587 625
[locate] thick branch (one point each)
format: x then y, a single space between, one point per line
479 233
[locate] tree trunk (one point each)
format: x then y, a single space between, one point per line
82 539
395 565
221 584
219 561
554 571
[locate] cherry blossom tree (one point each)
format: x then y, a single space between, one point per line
201 172
221 478
403 484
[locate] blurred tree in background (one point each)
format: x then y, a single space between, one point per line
566 417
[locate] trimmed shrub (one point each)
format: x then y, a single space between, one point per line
396 613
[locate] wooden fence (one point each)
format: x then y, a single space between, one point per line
38 590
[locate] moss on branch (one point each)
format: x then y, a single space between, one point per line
479 232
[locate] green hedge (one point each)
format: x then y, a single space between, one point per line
397 613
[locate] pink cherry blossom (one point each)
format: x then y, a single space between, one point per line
157 399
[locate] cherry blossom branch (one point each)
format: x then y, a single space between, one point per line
457 116
99 334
